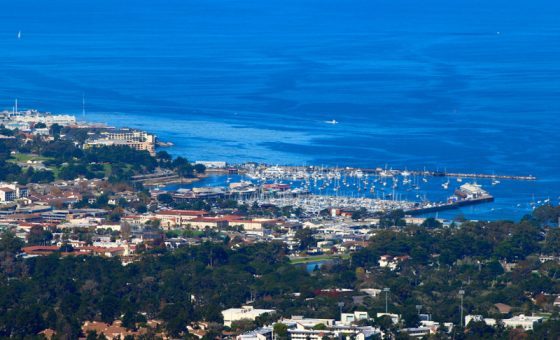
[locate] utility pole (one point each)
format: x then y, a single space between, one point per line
386 290
461 294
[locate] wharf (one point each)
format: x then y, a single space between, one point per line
396 172
449 206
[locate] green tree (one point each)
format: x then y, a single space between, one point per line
305 238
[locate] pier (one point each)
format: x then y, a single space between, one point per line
399 172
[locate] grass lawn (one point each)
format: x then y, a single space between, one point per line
24 157
307 259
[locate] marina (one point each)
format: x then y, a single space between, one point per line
315 190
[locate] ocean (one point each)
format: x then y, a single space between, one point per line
462 86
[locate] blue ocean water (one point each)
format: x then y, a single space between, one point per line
464 85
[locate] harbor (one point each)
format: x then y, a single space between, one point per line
316 190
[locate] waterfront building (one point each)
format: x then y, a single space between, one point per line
212 164
138 140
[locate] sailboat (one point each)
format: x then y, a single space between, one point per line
19 35
333 122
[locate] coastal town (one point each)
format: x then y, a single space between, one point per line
71 189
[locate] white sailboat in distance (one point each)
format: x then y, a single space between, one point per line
333 122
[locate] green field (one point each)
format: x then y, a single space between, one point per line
24 157
307 259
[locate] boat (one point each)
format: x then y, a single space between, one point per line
19 35
333 122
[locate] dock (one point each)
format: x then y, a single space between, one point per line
397 172
449 206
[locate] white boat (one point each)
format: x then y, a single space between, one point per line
333 122
19 35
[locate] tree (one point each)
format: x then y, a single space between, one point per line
163 156
359 214
305 238
66 248
55 130
179 162
281 330
552 241
38 236
547 214
165 198
10 243
176 317
186 170
243 325
199 168
431 223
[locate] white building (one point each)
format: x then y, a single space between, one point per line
358 333
34 117
373 292
138 140
245 312
350 318
523 321
11 192
395 318
478 318
264 333
518 321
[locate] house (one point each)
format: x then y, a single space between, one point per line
391 262
503 308
245 312
557 301
111 331
48 333
373 292
40 250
